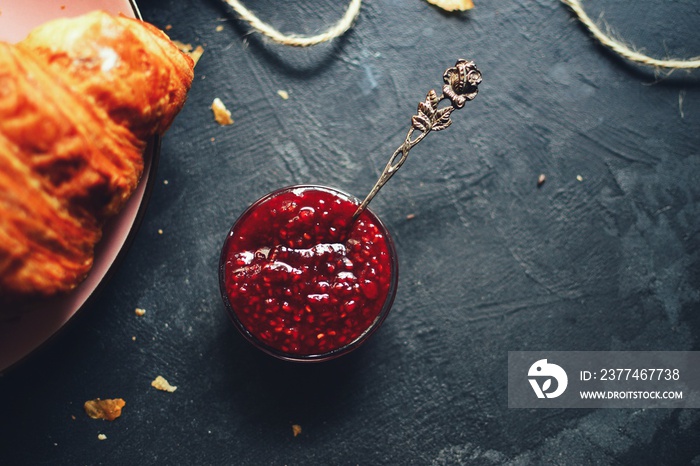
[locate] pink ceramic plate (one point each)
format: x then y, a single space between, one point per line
21 336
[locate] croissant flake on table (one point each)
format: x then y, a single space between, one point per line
79 100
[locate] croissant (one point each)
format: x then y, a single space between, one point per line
79 100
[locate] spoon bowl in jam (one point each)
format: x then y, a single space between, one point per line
301 279
308 273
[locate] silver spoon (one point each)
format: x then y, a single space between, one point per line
461 85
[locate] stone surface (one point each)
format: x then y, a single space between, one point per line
603 256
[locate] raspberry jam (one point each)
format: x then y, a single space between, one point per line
299 281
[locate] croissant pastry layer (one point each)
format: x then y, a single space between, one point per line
79 100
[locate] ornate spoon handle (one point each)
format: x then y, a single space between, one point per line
461 85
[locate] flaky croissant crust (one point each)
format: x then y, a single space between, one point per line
79 100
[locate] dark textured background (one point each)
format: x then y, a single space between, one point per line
489 264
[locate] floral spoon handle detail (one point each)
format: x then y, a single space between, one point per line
461 85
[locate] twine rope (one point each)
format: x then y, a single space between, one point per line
336 30
351 14
621 49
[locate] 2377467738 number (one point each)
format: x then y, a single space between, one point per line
639 374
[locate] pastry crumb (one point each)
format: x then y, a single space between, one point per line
140 312
108 409
160 231
284 94
101 437
160 383
296 429
195 53
410 216
165 181
453 5
221 114
133 338
219 28
168 27
541 179
579 177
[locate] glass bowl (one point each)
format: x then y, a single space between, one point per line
300 281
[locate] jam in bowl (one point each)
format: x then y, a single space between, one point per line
301 280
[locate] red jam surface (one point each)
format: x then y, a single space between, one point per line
299 279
